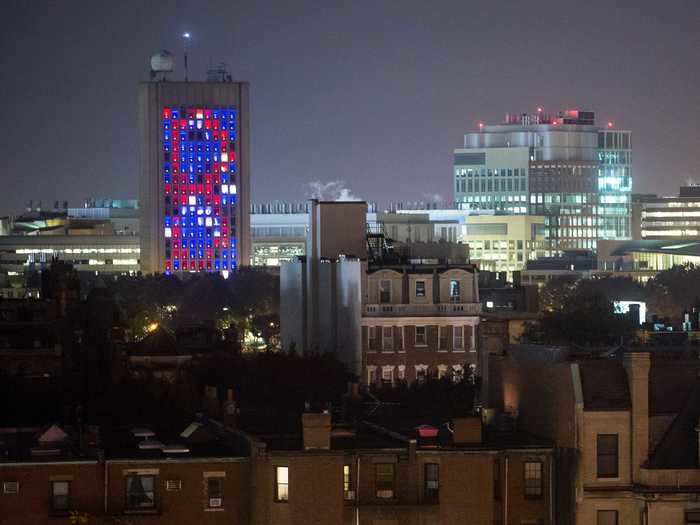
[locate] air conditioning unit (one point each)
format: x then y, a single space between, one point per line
10 487
350 495
215 502
173 484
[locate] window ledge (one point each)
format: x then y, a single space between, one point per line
459 351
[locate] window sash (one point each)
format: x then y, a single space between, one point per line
431 482
421 335
281 483
458 337
607 453
215 489
60 495
347 482
387 338
420 288
140 492
384 291
384 480
533 479
442 338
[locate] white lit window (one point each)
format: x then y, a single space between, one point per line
168 232
282 484
388 375
401 372
192 200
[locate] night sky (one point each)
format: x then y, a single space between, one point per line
375 93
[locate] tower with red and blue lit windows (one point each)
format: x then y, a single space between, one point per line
195 178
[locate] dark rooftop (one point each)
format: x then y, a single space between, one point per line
604 384
678 448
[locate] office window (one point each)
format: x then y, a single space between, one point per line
348 493
60 495
384 480
607 455
402 372
282 484
399 338
215 492
454 291
692 517
384 291
140 492
421 338
387 338
432 482
458 337
442 342
533 479
420 288
607 517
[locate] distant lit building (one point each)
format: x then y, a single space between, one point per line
614 184
101 236
562 167
672 217
194 176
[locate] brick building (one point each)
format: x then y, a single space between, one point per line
625 429
419 320
436 472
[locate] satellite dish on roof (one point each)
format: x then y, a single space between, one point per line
162 62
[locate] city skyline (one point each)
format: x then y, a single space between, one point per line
381 104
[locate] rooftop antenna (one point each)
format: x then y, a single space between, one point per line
185 40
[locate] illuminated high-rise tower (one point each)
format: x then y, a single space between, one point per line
195 179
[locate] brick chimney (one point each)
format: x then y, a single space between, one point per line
637 365
316 430
466 430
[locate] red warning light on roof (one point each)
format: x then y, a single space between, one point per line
610 124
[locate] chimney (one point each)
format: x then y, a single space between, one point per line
466 430
637 365
317 430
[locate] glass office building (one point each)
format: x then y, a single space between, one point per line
614 184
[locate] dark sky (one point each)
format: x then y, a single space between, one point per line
376 93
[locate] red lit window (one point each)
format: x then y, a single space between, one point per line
224 135
207 124
167 189
216 124
166 113
200 188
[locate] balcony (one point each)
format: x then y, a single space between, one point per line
417 310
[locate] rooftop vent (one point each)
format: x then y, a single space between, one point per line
150 444
142 432
175 448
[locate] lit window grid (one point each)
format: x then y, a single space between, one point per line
200 188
